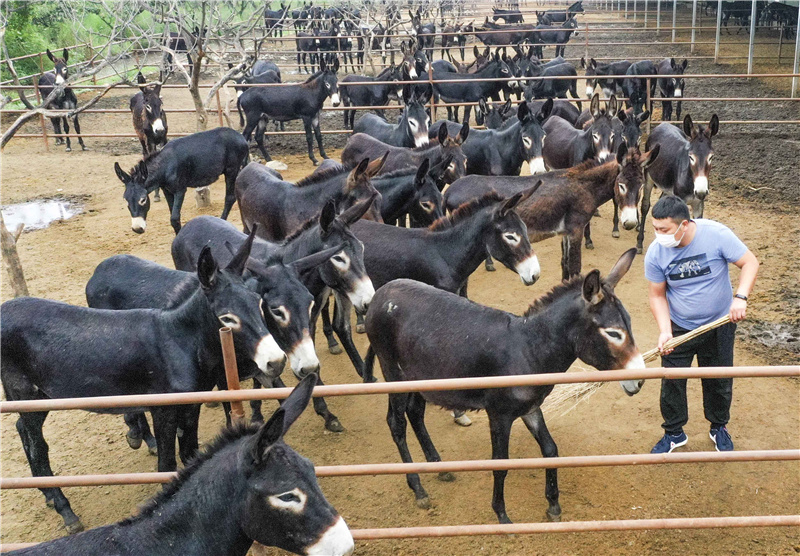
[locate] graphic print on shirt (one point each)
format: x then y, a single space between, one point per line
688 267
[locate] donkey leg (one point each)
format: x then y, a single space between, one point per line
500 429
29 427
318 134
230 196
187 440
587 234
615 231
57 130
341 325
565 246
165 424
574 258
134 434
310 141
489 263
66 132
255 406
415 410
321 408
648 188
677 110
147 435
78 132
396 419
536 425
327 329
175 210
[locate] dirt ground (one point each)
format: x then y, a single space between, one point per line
59 260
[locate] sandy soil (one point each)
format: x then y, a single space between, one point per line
59 260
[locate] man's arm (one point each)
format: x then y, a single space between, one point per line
747 279
657 294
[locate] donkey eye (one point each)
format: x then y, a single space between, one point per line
513 239
527 142
596 137
279 313
230 320
289 497
614 335
692 158
709 156
623 188
143 201
293 501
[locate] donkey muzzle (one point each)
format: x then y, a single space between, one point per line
701 187
632 387
138 224
629 217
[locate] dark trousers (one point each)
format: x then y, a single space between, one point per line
713 349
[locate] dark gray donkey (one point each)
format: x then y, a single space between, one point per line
580 319
80 352
66 100
684 166
246 486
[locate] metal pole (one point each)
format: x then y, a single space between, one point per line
674 14
694 23
626 9
658 17
796 55
231 370
649 105
752 37
780 45
719 28
645 14
634 9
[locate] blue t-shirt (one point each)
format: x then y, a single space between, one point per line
698 286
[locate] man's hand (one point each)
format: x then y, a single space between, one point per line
663 338
738 309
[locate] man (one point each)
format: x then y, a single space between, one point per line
687 267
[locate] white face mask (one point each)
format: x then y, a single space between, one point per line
669 240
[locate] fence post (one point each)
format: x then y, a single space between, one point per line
634 9
694 23
674 13
649 106
41 117
645 14
231 370
719 28
41 63
780 45
91 63
586 43
658 17
9 247
752 37
796 55
626 9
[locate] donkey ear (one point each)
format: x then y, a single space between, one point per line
442 135
685 64
123 177
66 55
313 261
327 216
419 179
482 105
620 268
672 63
335 65
464 133
622 116
140 78
360 168
583 62
207 268
621 152
354 213
611 107
512 202
713 125
523 111
594 63
475 51
642 117
53 58
592 288
650 156
239 260
374 167
545 110
594 106
687 125
506 108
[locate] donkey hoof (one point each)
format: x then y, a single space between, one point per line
614 234
555 518
462 420
74 527
84 148
157 199
152 447
360 328
315 162
335 349
50 503
490 268
334 425
638 250
589 245
133 442
69 150
446 477
424 503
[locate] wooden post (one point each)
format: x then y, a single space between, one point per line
219 109
674 15
41 117
649 106
231 370
586 43
780 45
9 248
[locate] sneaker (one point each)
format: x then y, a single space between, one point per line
722 439
669 443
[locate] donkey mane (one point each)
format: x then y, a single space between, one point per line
588 169
307 83
424 148
226 437
550 297
322 176
399 172
145 161
181 292
464 211
307 225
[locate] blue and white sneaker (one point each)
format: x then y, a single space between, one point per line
722 439
669 442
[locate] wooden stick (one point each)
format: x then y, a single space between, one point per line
653 354
9 249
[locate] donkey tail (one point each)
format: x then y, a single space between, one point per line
239 110
369 365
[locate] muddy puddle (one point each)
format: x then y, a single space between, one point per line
39 214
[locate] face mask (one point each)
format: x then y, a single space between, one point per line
669 240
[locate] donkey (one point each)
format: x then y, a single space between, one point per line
684 168
551 35
307 46
300 17
508 16
361 145
82 352
415 192
411 129
379 93
274 20
253 487
196 160
64 100
671 86
262 71
540 87
566 146
501 152
635 88
176 42
149 118
595 73
343 273
580 319
425 33
290 102
280 207
492 115
560 16
565 203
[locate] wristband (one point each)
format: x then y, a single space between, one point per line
740 296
